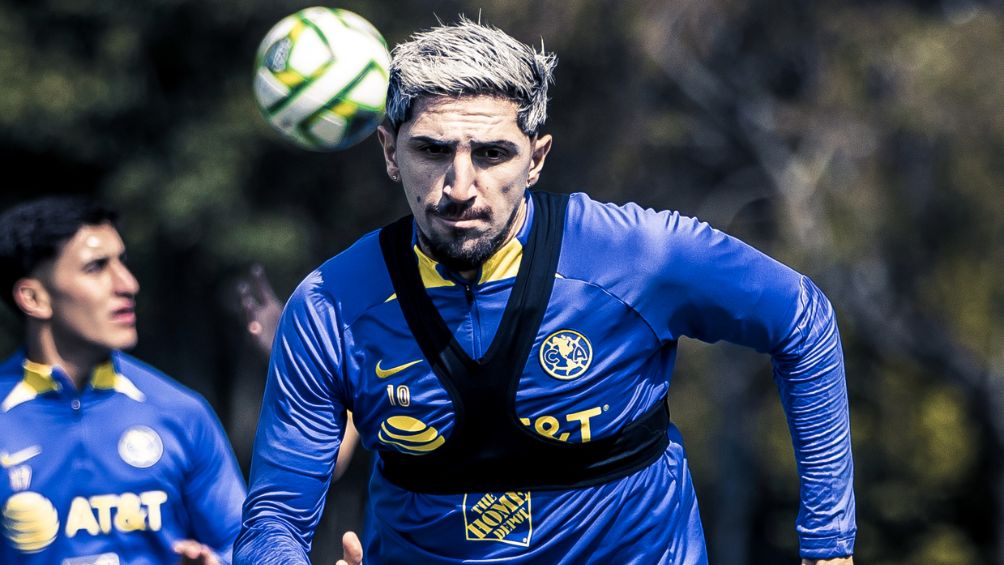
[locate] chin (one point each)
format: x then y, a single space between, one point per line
124 342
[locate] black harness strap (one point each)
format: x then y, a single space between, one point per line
489 448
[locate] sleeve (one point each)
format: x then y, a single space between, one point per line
214 487
723 289
299 432
688 279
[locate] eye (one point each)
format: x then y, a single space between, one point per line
491 153
96 265
434 150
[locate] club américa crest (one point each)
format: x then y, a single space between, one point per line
566 354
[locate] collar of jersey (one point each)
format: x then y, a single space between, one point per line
503 264
40 379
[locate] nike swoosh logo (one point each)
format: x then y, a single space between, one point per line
8 461
384 373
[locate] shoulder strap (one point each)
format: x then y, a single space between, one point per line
489 448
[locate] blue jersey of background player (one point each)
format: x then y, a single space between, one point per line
466 104
104 459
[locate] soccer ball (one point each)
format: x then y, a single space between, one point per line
321 78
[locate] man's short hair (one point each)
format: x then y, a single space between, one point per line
34 232
469 59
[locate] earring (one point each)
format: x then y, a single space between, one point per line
394 177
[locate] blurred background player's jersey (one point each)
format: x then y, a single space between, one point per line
114 473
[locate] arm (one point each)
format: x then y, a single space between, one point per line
809 372
299 434
213 492
688 279
262 309
350 441
736 293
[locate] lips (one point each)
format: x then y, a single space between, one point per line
458 222
125 315
466 219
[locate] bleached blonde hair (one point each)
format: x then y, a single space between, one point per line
470 58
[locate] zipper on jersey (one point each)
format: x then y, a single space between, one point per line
472 312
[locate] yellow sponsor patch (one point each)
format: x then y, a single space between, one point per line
504 517
30 521
409 435
126 512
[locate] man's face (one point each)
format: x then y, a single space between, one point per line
90 292
465 166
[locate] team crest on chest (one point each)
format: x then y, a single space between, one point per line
140 447
566 354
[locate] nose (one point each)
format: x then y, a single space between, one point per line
461 178
125 282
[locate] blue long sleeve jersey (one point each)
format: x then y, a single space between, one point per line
630 282
114 473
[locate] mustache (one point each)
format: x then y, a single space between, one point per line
458 212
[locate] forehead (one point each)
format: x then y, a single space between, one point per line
91 241
465 117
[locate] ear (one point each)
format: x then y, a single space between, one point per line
541 147
32 298
388 140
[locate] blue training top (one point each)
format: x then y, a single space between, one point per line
117 472
630 282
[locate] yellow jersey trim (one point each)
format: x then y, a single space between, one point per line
105 378
427 269
503 264
38 380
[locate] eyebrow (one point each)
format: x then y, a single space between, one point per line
504 143
103 255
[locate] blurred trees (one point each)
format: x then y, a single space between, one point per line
859 143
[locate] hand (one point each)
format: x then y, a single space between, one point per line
352 550
834 561
261 307
195 553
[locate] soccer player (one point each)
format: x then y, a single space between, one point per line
508 353
262 310
105 459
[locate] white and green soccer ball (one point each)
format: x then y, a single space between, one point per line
321 78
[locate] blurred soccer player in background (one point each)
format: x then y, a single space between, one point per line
262 309
105 459
507 353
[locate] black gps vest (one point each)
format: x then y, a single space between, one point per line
490 450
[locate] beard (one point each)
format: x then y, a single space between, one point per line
463 249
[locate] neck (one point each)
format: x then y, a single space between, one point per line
77 362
